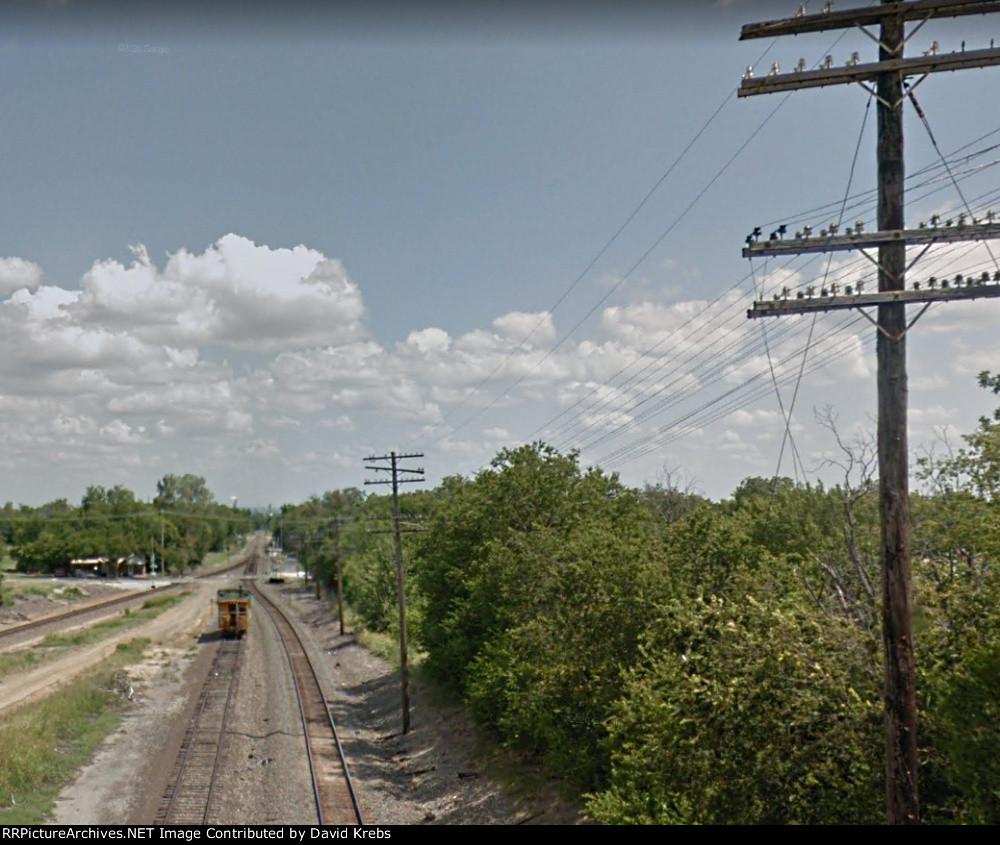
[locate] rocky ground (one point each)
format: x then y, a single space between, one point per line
441 772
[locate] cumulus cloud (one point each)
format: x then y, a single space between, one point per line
122 433
521 327
17 273
429 340
249 353
236 293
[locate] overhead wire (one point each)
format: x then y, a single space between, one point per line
637 357
805 352
614 237
958 189
721 369
709 413
849 268
648 364
548 354
675 399
703 352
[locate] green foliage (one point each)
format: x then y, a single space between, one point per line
182 491
470 588
957 625
958 642
537 580
685 661
370 585
970 740
112 523
750 711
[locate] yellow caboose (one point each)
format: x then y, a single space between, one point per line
234 611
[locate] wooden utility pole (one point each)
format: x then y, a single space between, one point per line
887 74
340 574
395 481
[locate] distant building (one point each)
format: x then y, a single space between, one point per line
130 566
89 566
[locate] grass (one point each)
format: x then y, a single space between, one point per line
20 589
215 558
43 744
25 588
17 588
385 645
54 645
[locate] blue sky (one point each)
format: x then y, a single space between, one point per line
259 242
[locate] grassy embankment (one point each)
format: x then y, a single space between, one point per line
383 644
43 744
55 645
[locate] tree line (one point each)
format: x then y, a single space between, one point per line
674 659
181 525
681 660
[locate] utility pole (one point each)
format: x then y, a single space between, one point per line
418 475
892 239
340 574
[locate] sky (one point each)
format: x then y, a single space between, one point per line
260 242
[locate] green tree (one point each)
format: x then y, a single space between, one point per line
538 579
749 710
179 490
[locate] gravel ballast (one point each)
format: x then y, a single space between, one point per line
440 772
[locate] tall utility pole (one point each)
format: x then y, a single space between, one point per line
418 475
340 575
892 239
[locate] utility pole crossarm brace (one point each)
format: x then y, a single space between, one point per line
867 72
918 10
886 81
780 307
860 240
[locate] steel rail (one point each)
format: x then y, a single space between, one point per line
334 796
190 794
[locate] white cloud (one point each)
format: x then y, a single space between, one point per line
235 294
429 340
17 273
531 330
245 351
121 433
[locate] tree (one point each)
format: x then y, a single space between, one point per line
173 491
753 709
538 579
198 523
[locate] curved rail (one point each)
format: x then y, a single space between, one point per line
333 790
191 791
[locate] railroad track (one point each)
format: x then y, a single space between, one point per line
190 795
333 792
246 561
59 618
